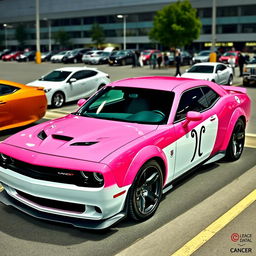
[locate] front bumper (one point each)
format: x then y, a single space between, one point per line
67 203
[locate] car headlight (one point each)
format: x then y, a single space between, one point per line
47 90
92 179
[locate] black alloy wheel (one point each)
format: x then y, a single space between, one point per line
236 143
146 191
58 99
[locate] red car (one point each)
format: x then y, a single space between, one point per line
225 57
146 55
11 56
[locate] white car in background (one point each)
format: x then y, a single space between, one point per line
211 71
57 58
71 83
202 56
90 54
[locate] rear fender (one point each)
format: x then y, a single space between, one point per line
141 158
238 113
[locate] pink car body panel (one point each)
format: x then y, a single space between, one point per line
121 148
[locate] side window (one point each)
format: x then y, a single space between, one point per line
221 67
84 74
210 95
192 100
7 89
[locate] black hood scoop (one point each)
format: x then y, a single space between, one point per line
84 143
62 137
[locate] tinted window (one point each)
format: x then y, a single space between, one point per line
84 74
7 89
56 76
210 95
192 100
221 67
201 69
129 105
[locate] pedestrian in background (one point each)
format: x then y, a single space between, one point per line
166 60
241 61
232 63
159 60
177 62
153 60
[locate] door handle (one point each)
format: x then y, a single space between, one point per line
212 118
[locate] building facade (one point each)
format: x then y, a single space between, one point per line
235 22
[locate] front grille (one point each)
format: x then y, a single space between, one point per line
46 173
53 204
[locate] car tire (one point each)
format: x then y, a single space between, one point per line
245 83
146 192
236 143
230 80
58 99
75 61
123 62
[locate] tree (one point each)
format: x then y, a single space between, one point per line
21 35
97 34
62 38
176 25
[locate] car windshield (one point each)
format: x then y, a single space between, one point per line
56 76
253 61
27 53
229 54
201 69
144 106
204 53
121 53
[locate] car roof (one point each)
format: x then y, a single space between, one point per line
156 82
208 64
73 69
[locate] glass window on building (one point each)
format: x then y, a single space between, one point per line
89 20
227 11
143 31
101 19
75 34
114 19
132 32
148 16
205 12
229 28
132 18
206 29
248 10
75 21
111 33
249 28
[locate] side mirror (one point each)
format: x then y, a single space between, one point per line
81 102
72 80
192 116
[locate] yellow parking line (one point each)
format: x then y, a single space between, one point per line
195 243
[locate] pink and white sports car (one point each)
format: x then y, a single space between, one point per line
122 149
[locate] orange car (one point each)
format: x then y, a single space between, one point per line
20 104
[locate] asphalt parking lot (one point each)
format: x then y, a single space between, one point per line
189 208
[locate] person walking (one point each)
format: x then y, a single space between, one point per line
153 60
159 60
241 61
232 63
177 62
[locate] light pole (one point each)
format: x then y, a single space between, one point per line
5 35
120 16
38 52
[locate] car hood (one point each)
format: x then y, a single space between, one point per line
79 137
44 84
198 76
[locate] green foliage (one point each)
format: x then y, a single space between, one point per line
176 25
97 34
62 38
21 35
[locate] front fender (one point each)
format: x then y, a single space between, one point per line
142 157
239 112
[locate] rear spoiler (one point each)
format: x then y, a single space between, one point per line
234 89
